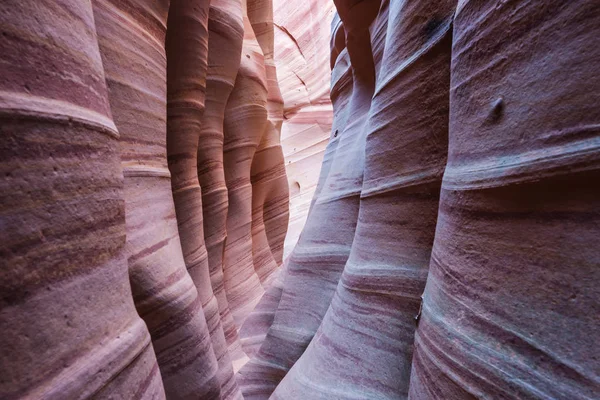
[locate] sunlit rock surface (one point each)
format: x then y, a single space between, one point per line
302 31
445 155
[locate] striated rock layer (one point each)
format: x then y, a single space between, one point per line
324 246
301 34
449 250
270 195
245 122
187 57
101 219
379 291
68 324
511 304
225 35
132 37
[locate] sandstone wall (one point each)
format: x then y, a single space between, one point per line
142 171
302 31
457 130
450 246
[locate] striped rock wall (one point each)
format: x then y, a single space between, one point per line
511 304
120 121
68 323
302 31
225 35
132 36
469 269
450 247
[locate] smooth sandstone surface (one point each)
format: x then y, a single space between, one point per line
444 154
187 59
132 36
225 35
511 304
301 35
323 247
69 328
371 316
245 122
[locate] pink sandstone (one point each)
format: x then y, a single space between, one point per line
69 328
131 36
511 304
149 150
187 58
245 121
302 60
224 52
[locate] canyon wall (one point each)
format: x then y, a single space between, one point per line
143 184
445 155
302 58
462 143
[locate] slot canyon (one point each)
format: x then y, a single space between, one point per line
300 199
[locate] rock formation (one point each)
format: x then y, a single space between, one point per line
380 288
270 195
224 51
132 37
364 342
449 250
187 58
511 304
303 73
68 323
245 122
306 295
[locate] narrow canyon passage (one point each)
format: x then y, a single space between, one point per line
321 199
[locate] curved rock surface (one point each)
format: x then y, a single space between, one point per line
187 58
301 34
245 122
449 250
511 300
225 35
379 291
131 36
325 247
68 323
490 312
270 196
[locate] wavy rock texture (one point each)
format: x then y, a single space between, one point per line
457 198
270 195
245 122
225 35
511 304
322 247
187 59
301 35
496 321
132 37
379 292
69 325
301 32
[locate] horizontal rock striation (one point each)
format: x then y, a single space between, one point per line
322 247
301 56
370 320
187 58
68 323
132 36
149 150
225 35
512 294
